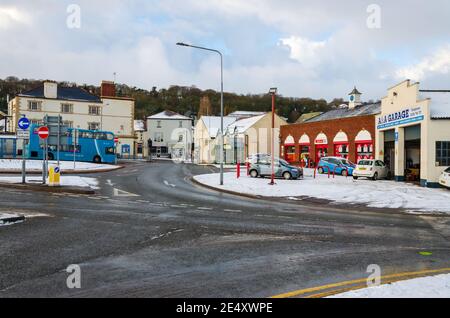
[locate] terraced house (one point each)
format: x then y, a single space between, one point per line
79 109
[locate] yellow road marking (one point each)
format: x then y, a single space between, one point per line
387 278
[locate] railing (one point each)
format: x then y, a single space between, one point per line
323 167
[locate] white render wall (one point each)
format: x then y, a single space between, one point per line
117 115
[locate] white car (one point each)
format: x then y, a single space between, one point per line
444 180
372 169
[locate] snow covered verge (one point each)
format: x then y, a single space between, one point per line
66 181
427 287
15 165
377 194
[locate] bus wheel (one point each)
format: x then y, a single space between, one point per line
97 159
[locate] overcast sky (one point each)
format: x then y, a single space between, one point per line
305 48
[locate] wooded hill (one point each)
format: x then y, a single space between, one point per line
185 100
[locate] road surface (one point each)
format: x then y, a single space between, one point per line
150 232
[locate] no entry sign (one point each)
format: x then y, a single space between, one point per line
43 132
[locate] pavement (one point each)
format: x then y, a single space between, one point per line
150 232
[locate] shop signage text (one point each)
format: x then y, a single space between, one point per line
407 116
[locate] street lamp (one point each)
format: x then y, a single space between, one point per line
273 92
221 101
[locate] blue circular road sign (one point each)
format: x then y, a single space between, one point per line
24 123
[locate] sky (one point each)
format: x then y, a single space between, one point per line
318 49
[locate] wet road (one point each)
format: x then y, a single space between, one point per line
150 232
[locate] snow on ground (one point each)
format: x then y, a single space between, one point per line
377 194
4 216
67 181
427 287
36 165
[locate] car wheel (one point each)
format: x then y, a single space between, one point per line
344 173
254 174
97 159
320 170
287 176
375 176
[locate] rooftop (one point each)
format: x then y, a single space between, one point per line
64 93
243 125
167 114
246 114
440 103
360 110
213 124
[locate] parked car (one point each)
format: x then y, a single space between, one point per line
444 180
336 164
263 168
372 169
257 157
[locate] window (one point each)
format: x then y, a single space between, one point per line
94 110
68 124
93 126
159 137
158 124
180 138
443 153
180 125
66 108
37 122
34 106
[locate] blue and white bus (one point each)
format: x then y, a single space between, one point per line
91 146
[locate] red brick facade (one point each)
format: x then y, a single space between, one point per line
350 126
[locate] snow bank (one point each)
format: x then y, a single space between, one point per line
427 287
36 165
377 194
68 181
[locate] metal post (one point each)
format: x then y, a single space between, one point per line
222 151
24 164
59 137
273 92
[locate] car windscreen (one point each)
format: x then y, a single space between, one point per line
283 162
346 162
365 163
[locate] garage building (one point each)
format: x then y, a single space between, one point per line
413 133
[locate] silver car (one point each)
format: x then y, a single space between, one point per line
263 168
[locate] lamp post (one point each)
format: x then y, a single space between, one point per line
221 101
273 92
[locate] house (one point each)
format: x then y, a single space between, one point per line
205 134
170 135
242 137
139 132
348 132
79 109
250 136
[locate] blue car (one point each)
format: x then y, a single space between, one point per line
343 166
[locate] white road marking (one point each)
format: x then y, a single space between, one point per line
168 184
109 182
121 193
204 209
233 211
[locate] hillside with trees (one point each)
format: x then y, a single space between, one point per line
185 100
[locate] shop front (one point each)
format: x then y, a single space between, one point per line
411 127
305 149
321 145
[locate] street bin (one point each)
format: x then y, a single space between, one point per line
54 176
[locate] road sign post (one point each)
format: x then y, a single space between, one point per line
24 134
43 133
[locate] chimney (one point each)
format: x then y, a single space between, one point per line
108 89
50 90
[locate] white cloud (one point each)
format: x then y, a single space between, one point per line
437 63
9 16
303 50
